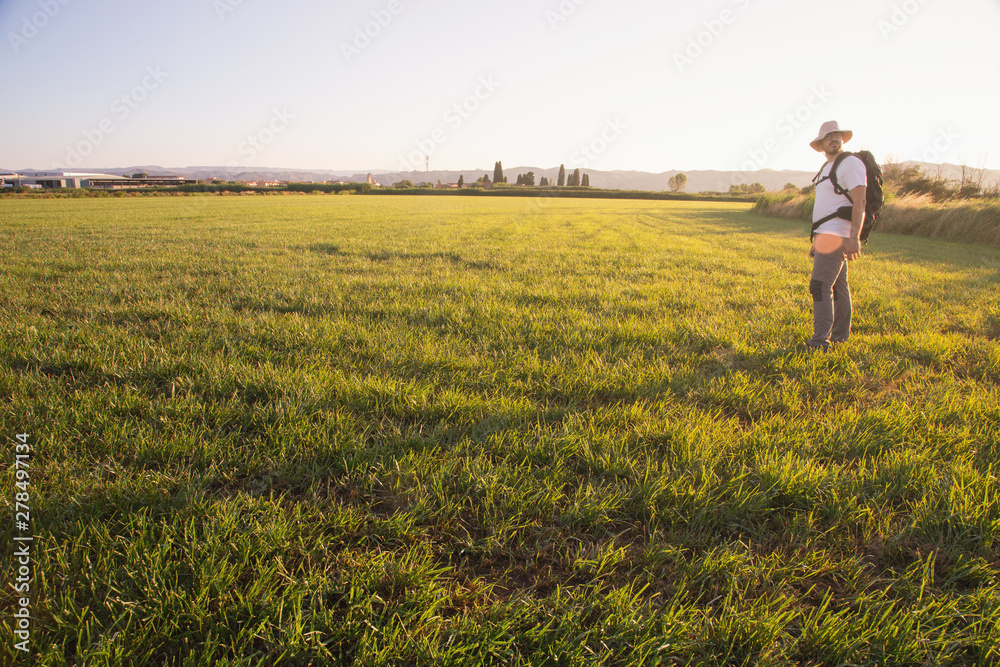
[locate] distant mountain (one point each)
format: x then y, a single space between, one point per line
698 180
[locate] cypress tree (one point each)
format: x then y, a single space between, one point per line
562 176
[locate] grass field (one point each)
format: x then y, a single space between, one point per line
344 430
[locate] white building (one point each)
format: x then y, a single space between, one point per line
80 179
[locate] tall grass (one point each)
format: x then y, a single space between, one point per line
324 430
963 221
787 204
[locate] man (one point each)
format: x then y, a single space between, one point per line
838 240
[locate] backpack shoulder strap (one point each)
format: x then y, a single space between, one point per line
844 213
833 171
816 178
833 176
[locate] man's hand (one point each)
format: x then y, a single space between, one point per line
828 243
852 248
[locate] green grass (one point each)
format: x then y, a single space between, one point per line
322 430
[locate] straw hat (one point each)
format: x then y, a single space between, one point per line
825 129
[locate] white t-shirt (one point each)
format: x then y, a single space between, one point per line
850 174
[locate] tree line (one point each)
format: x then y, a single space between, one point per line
575 179
676 183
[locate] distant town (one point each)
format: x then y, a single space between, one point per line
102 181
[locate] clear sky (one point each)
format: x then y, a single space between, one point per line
377 84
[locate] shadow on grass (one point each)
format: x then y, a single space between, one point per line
722 223
452 257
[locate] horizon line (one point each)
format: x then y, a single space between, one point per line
353 172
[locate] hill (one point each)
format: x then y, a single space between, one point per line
698 180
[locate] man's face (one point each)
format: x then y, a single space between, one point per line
832 142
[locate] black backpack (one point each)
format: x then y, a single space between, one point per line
874 197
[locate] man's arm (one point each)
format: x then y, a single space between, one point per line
852 246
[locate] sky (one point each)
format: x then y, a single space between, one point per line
380 84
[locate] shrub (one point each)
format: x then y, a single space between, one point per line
966 222
913 181
329 187
785 204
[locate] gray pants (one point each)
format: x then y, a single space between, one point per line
831 299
